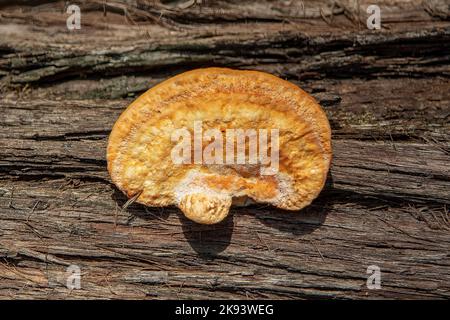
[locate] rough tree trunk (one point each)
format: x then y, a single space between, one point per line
386 93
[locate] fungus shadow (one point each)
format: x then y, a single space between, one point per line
210 240
206 240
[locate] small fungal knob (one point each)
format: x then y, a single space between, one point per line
205 209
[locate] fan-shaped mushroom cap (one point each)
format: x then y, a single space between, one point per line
141 145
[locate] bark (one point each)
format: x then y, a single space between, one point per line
386 201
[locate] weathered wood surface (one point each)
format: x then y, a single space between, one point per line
386 201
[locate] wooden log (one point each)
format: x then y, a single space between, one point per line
386 93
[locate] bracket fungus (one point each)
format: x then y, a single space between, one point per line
211 138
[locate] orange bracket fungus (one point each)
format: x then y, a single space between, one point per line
211 138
